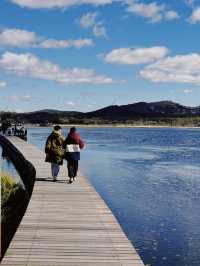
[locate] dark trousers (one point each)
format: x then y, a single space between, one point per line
72 166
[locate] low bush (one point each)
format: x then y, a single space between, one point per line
14 200
9 188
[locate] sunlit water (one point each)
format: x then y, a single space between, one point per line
150 178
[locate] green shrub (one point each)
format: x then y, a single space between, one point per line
8 188
14 200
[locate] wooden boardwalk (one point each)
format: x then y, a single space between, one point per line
66 224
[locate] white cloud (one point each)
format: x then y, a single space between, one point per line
29 65
179 69
3 84
51 43
58 3
128 56
171 15
18 38
23 38
27 97
89 20
195 17
70 103
190 2
153 11
99 30
186 91
16 98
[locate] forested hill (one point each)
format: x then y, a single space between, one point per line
143 109
132 112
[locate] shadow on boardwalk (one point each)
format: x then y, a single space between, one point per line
49 179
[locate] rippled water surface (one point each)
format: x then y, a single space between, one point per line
150 178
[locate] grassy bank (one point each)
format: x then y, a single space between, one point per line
13 203
9 188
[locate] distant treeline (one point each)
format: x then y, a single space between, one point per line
165 113
49 119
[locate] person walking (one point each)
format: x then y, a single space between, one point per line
54 150
72 145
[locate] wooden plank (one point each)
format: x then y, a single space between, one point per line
66 224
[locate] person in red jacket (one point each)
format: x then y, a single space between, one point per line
72 145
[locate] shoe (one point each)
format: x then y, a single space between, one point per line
70 180
54 179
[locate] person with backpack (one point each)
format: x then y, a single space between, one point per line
72 145
54 151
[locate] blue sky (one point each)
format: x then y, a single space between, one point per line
87 54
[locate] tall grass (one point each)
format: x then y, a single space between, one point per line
9 188
14 200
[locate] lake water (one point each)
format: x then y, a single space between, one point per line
6 166
150 178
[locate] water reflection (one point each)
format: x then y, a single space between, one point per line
150 178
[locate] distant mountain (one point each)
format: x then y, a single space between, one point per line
47 116
53 111
140 110
143 109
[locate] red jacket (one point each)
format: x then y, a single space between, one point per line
73 138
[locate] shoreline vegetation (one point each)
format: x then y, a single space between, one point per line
13 202
16 187
111 126
9 188
170 123
141 114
